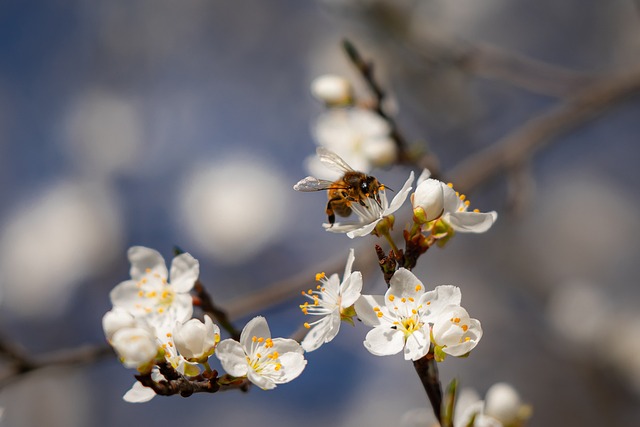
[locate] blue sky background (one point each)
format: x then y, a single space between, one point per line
109 109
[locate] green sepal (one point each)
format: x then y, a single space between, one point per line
438 353
347 315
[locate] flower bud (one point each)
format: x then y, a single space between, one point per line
332 90
428 200
116 319
503 403
136 347
196 341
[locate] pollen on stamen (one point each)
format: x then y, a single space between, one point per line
319 287
467 203
392 297
376 308
278 367
379 314
450 184
320 276
467 339
254 338
414 311
310 292
306 325
465 327
141 293
303 293
169 335
411 299
418 287
403 299
260 339
462 197
476 210
428 302
147 270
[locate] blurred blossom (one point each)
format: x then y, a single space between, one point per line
232 209
578 311
104 133
53 242
360 136
332 89
585 316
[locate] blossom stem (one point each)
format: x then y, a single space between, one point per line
391 243
427 370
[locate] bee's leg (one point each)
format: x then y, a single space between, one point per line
330 214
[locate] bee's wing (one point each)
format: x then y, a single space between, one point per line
332 160
313 184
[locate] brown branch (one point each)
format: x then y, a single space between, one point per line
535 134
21 363
365 68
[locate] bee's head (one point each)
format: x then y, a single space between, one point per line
369 185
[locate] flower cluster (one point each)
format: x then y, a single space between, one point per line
357 134
152 330
406 318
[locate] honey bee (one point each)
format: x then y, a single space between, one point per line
353 187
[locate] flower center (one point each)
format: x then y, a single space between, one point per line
263 358
155 292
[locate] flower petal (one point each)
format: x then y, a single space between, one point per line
364 309
293 364
322 332
125 296
472 222
364 230
261 381
417 345
404 283
232 357
351 288
286 345
142 258
185 270
350 259
400 197
257 327
138 394
384 341
440 298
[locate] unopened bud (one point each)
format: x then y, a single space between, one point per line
332 89
429 196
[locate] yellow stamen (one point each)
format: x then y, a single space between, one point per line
392 297
306 325
418 287
320 276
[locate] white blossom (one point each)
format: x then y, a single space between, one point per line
332 300
359 136
195 340
137 347
150 295
266 362
332 89
434 200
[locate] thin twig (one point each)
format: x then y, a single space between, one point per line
517 146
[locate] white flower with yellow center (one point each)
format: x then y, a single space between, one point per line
371 213
401 318
434 200
150 295
333 301
266 362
